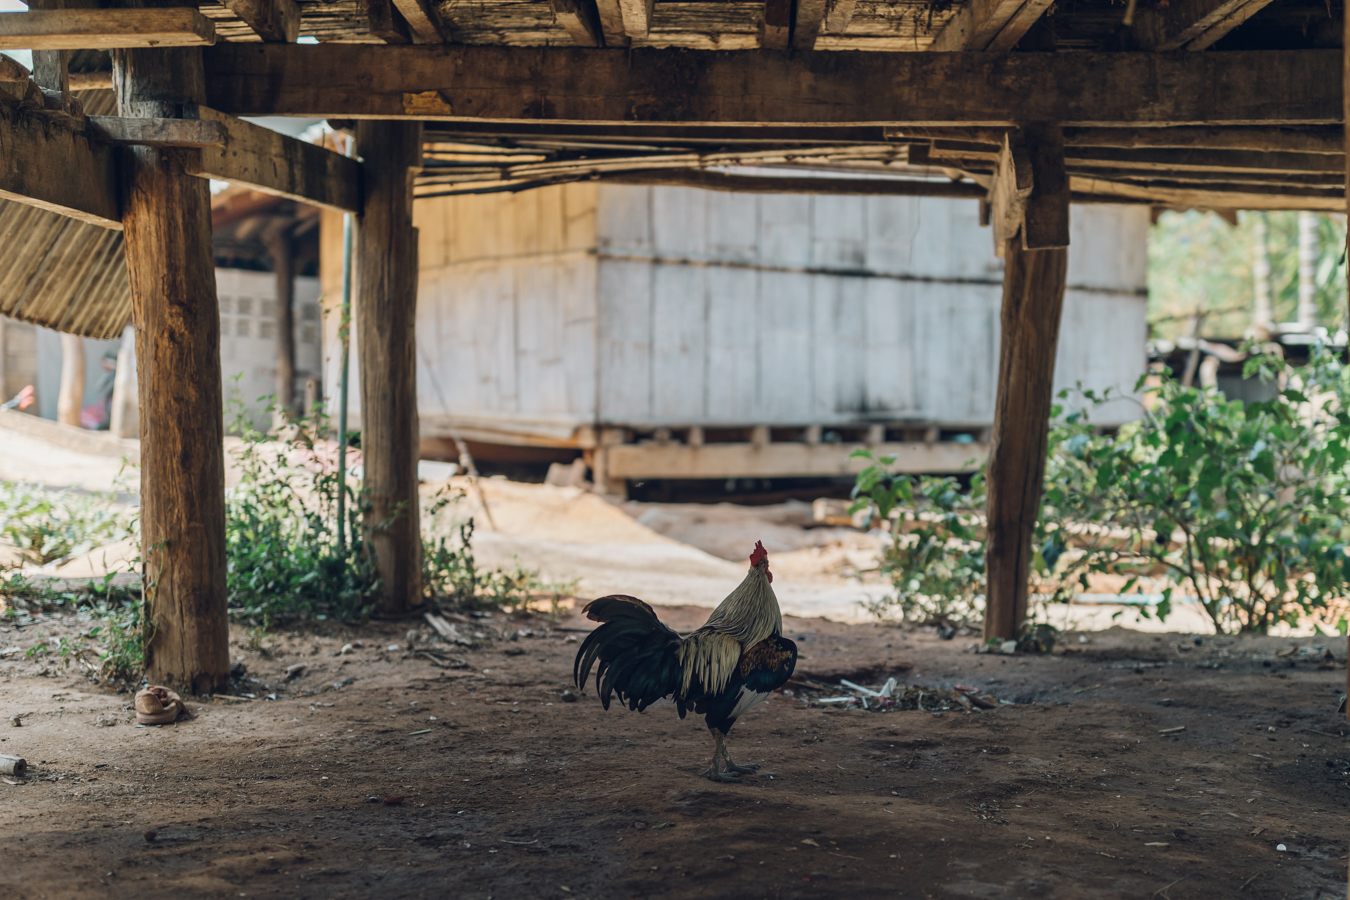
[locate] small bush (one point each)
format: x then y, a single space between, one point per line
1244 506
50 525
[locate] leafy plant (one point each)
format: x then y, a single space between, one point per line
935 559
282 556
50 525
1243 505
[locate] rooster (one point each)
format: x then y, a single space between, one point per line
721 670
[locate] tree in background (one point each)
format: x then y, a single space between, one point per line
1199 262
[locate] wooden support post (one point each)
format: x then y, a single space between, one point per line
71 397
386 307
167 223
1033 297
125 419
1031 214
282 250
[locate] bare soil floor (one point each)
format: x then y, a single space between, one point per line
1083 788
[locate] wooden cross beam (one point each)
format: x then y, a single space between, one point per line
278 164
104 29
1268 88
51 163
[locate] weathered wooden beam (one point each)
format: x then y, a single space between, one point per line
1190 24
177 317
104 29
756 184
637 17
1033 299
386 312
674 134
1315 140
424 22
1012 188
1212 196
12 71
1322 139
839 15
580 20
50 163
1046 224
994 26
808 23
385 21
282 250
611 23
1268 88
279 164
271 20
1163 161
158 132
91 81
775 30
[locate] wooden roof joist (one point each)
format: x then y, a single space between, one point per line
1315 139
1266 88
104 29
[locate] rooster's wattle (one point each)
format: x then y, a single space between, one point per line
721 670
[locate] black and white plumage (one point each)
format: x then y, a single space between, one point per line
720 671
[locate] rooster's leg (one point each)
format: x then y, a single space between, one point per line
718 770
729 766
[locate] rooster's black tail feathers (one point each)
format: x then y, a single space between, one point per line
639 657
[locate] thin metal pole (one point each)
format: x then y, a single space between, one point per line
344 334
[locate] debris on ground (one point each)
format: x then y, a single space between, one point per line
892 696
448 631
13 765
157 705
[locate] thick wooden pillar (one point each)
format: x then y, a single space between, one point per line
1031 215
71 395
386 309
167 223
1033 297
282 250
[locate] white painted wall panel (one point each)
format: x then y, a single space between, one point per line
839 346
625 341
741 322
784 331
733 344
679 343
889 315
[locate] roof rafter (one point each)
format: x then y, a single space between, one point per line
1191 24
994 26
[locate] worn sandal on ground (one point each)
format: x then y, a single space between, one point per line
156 705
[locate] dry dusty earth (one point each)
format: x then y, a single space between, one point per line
508 791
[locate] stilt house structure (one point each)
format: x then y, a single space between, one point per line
1192 103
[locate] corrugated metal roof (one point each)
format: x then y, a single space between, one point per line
61 273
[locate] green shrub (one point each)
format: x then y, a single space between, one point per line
50 525
1243 506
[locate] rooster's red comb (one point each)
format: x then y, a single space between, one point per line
759 555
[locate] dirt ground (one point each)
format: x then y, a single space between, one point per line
1083 787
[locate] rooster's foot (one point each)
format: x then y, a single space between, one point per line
726 777
747 769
